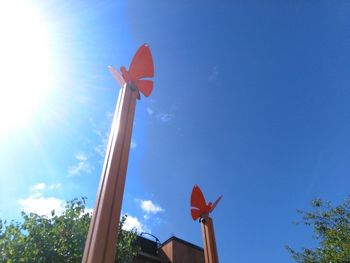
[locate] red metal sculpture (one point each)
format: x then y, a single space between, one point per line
141 67
103 231
199 207
201 210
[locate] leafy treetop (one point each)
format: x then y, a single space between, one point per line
59 238
331 226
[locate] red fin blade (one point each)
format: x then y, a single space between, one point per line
195 214
197 199
215 204
142 64
118 77
145 86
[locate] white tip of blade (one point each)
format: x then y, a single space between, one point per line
118 77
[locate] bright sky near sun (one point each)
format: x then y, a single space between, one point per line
25 60
251 100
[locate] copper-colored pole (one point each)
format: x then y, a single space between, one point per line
210 251
100 246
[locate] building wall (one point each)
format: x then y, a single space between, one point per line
176 251
166 253
145 259
186 254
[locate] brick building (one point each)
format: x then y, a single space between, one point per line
174 250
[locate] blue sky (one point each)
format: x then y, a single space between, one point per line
251 101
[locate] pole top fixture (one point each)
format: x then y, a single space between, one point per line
140 71
199 208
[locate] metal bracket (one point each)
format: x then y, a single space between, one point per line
133 88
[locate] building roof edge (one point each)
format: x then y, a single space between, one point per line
174 238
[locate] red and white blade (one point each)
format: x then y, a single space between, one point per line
197 199
145 86
118 77
141 65
195 213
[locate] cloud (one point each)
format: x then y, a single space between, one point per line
214 74
37 203
81 157
133 145
89 210
149 111
102 146
165 117
83 166
150 216
161 116
109 116
40 205
102 130
149 207
132 222
42 186
38 187
54 186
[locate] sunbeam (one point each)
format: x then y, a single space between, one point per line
24 65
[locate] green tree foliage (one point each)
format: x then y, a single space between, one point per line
59 238
331 226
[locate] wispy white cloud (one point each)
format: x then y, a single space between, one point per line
150 210
54 186
132 223
109 116
101 130
81 157
214 74
165 117
149 111
161 115
149 207
40 205
102 146
42 186
133 144
38 187
103 137
83 166
89 210
37 203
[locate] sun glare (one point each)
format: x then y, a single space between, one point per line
24 63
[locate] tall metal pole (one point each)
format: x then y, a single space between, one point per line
201 210
210 251
100 246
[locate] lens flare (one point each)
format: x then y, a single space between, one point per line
25 74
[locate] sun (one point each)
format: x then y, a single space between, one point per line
25 74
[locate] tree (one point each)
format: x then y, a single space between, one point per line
331 226
59 238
